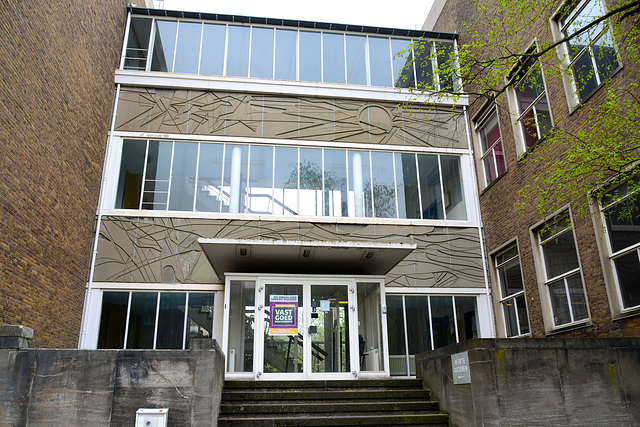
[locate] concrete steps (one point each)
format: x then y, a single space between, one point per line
328 403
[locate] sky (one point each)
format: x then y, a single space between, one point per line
407 14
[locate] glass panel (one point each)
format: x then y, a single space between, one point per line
311 181
356 60
235 177
200 317
466 317
407 185
210 195
511 318
544 116
359 184
163 46
283 350
142 319
560 255
522 314
529 88
380 61
430 187
238 51
188 48
285 195
402 63
138 44
384 194
212 57
241 326
453 192
418 324
286 54
489 167
627 272
171 320
554 228
113 319
623 223
261 180
443 323
588 14
310 57
490 132
529 130
370 327
510 278
335 183
333 57
262 53
330 315
156 181
131 170
446 65
605 55
395 329
183 175
507 255
576 294
584 76
559 303
424 65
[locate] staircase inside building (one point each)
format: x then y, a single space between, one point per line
329 403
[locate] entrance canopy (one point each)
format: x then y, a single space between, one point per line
303 257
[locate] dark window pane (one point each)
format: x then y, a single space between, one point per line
424 64
396 336
356 60
156 181
310 57
188 47
522 314
529 88
430 191
262 53
584 76
418 324
576 294
171 320
164 46
560 255
199 316
286 54
142 319
529 130
407 185
113 319
212 57
446 65
510 318
544 117
559 303
453 192
510 278
466 317
628 271
380 61
402 63
443 323
183 176
605 56
623 223
333 57
238 51
138 44
131 170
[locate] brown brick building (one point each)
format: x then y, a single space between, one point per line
56 96
578 278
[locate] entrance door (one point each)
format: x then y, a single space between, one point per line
307 330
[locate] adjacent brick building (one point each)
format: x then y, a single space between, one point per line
595 293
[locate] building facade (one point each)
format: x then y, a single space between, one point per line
565 273
274 185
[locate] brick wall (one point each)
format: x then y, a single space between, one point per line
501 219
56 95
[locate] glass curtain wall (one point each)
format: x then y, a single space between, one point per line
266 179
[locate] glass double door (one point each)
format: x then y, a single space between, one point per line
305 330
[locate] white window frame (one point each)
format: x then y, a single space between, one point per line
485 118
504 300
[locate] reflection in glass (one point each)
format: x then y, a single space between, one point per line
284 353
311 181
430 191
209 192
384 194
359 184
171 320
164 46
576 294
310 57
443 323
262 53
199 316
235 177
142 319
286 54
455 206
188 47
212 56
605 55
113 319
138 44
333 57
627 269
330 344
418 325
156 180
466 318
131 170
446 65
407 185
285 194
396 335
424 64
380 61
335 183
559 303
403 75
261 180
241 326
560 254
183 174
370 348
356 60
238 51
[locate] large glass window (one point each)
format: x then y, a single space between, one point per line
621 210
512 296
284 180
534 117
491 144
288 54
419 323
154 320
562 272
592 54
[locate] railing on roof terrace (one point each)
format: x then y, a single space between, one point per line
282 53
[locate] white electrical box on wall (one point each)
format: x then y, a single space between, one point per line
152 417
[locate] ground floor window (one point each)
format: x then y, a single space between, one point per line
419 323
154 320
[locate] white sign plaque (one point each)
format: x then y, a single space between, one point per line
460 367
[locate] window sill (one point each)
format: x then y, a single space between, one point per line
569 327
492 183
627 313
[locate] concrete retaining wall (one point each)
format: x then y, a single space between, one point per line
551 382
106 387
